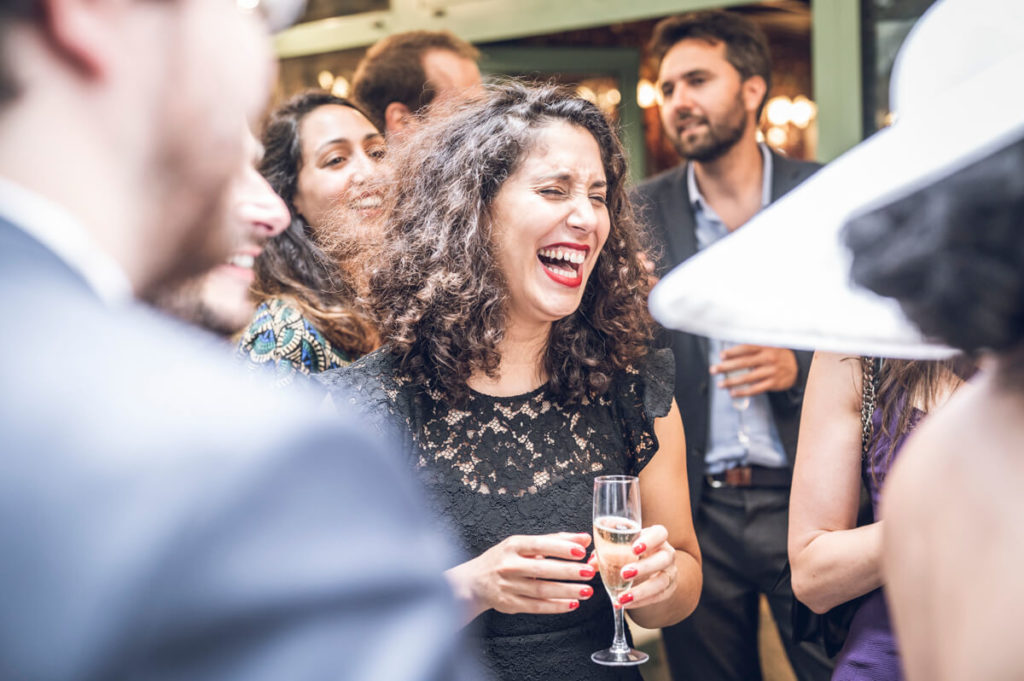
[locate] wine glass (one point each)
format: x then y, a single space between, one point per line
616 527
740 404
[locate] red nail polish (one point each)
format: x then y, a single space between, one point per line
625 599
586 572
639 548
586 592
574 604
578 552
629 573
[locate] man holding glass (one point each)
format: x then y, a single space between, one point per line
740 403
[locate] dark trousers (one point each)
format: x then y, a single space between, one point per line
742 536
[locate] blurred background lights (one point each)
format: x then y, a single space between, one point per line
776 136
325 79
646 94
587 94
802 111
779 110
341 87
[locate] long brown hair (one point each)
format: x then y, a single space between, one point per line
294 264
906 385
439 294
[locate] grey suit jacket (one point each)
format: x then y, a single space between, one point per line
163 516
663 203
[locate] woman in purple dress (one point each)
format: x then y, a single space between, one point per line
833 560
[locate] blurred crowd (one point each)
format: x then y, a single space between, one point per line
344 372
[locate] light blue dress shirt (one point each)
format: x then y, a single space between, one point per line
725 448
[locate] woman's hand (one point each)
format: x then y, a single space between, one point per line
537 574
654 573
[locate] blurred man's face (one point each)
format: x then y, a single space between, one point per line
252 214
216 70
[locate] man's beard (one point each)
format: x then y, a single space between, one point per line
192 302
717 140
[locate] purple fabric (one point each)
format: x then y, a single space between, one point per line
870 652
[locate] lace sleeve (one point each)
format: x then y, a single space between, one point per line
645 395
369 388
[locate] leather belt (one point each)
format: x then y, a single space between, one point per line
750 476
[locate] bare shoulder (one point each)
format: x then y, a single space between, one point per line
954 540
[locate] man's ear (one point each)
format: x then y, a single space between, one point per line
396 117
753 89
83 32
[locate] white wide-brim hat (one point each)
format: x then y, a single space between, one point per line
783 278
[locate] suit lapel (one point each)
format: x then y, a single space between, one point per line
785 176
677 216
681 230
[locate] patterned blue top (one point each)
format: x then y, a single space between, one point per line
280 336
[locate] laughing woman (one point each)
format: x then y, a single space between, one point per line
516 369
322 156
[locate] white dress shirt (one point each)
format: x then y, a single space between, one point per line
58 230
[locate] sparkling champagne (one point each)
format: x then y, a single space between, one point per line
613 541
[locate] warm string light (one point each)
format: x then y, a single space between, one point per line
337 86
788 119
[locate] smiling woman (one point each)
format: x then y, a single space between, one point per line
516 368
322 156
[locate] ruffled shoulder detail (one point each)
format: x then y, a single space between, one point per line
658 372
644 394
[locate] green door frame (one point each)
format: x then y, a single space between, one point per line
621 62
835 40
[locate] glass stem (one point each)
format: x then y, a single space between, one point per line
619 644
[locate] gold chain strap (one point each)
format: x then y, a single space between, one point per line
867 401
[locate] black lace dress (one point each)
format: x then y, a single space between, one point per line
500 466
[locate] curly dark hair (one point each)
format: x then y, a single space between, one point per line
294 264
439 295
952 253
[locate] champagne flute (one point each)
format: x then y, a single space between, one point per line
616 527
740 404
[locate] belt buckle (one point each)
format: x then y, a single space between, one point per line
740 476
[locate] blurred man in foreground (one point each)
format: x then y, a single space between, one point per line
220 300
161 518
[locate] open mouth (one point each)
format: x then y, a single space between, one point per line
563 263
242 260
367 202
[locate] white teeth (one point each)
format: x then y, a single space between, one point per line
246 261
569 274
367 203
566 254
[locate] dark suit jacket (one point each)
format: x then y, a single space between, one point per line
663 203
164 516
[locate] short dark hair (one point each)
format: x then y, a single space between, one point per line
746 46
439 295
392 71
10 12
